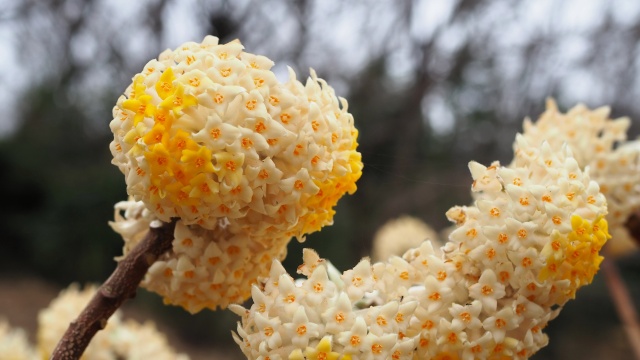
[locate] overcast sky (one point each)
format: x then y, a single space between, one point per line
338 30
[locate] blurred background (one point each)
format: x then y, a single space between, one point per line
432 84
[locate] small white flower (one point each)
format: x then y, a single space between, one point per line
340 315
318 288
379 347
289 295
525 260
352 340
484 179
301 329
269 331
488 290
358 280
403 349
501 322
381 318
466 316
479 347
525 309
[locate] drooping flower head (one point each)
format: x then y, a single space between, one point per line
531 239
208 135
599 143
205 268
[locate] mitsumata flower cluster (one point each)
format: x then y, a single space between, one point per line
205 268
14 343
517 255
600 143
399 235
206 132
120 339
208 135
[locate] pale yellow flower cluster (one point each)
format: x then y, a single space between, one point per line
14 344
118 340
208 135
205 268
399 235
599 143
521 252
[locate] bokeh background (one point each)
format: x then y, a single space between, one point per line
432 84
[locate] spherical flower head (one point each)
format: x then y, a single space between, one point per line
399 235
599 143
207 133
590 133
530 240
14 344
204 268
118 340
132 340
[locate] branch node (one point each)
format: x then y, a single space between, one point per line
107 292
150 258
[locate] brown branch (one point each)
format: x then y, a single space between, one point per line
623 304
120 286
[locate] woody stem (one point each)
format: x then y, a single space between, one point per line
119 287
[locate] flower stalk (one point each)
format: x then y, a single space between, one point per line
120 286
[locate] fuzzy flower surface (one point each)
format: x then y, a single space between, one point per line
206 133
205 268
14 344
399 235
120 339
531 239
600 143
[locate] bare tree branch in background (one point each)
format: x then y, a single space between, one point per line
486 64
431 84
